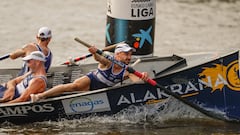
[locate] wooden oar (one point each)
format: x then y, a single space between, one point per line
108 48
152 82
5 56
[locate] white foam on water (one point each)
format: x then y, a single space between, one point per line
160 112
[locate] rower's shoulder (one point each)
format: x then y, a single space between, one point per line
29 45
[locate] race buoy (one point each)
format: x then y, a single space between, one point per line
132 21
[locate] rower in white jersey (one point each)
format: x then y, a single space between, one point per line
43 38
20 88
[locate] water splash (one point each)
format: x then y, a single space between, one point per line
161 112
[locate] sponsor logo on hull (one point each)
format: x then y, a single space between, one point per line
86 104
25 110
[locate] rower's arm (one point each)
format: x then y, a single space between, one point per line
103 61
36 85
23 51
17 53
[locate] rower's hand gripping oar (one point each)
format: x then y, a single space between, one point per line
5 56
150 81
108 48
13 55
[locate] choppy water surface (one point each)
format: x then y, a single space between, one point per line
182 26
176 119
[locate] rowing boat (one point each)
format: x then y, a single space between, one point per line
76 105
209 85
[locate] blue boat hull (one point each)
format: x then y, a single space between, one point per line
214 86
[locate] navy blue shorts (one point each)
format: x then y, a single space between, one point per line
2 90
95 83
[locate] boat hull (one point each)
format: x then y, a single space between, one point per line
214 86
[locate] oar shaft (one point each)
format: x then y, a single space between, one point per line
5 56
83 57
108 48
78 59
138 74
82 42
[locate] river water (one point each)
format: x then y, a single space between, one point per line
182 27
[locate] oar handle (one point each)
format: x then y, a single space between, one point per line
140 75
5 56
108 48
82 42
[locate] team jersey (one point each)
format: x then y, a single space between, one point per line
105 78
47 64
21 87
